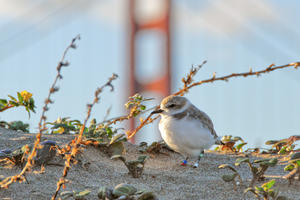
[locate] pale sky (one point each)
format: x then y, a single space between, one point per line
231 35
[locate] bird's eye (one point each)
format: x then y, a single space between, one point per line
171 106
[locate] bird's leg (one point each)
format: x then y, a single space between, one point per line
196 165
184 162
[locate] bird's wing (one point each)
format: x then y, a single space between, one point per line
200 115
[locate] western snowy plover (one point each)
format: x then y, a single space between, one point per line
185 128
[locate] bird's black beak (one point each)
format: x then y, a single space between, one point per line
157 111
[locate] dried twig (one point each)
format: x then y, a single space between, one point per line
188 84
114 120
270 68
146 121
73 146
42 123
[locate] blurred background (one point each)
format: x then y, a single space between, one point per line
151 45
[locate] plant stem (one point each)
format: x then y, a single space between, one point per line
6 107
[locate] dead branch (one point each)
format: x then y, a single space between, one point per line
74 145
42 123
188 84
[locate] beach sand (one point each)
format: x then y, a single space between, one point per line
162 174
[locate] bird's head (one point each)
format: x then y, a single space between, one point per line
172 105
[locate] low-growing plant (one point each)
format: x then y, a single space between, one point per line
283 146
293 168
153 148
135 167
231 177
102 133
19 155
77 195
135 105
266 191
24 99
65 126
252 150
106 138
232 144
257 172
125 191
15 125
16 157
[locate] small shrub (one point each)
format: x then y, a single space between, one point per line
135 167
293 167
283 146
124 191
231 177
15 125
24 99
257 172
266 191
232 144
65 126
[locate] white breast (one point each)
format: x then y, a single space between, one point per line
186 136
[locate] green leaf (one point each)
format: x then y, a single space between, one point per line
229 177
295 156
118 138
271 142
273 162
249 189
237 138
117 148
290 148
28 111
66 194
118 157
260 189
282 198
262 160
283 150
226 138
254 169
20 98
268 185
12 98
239 147
143 107
124 190
267 162
14 103
31 104
223 166
217 148
272 193
289 167
240 160
109 132
135 113
3 102
81 195
142 158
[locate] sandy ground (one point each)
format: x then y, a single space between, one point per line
163 175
